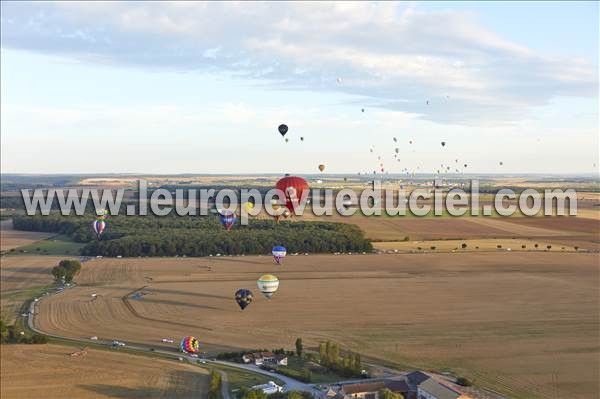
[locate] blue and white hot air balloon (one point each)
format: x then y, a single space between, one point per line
278 254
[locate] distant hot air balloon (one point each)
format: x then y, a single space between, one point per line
501 163
443 143
362 109
189 345
268 285
339 80
321 167
397 150
227 219
427 102
286 139
283 129
243 297
465 165
99 225
410 141
293 187
278 254
249 206
395 140
301 138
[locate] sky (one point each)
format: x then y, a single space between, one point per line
190 87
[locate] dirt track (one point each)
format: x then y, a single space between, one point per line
491 316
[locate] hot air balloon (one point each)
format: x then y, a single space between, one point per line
227 219
99 225
339 80
397 150
443 143
362 109
189 345
395 140
249 206
427 102
465 165
321 167
410 141
283 129
286 139
301 138
293 187
501 163
278 254
268 285
243 297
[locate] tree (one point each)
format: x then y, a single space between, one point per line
334 354
59 273
214 391
299 347
385 393
357 364
255 394
66 270
323 354
462 381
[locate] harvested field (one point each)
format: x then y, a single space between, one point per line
47 371
396 228
21 277
21 272
472 245
10 238
522 323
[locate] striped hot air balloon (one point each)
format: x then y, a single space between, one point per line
268 285
99 225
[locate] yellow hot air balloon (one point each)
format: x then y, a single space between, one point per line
321 167
268 285
249 206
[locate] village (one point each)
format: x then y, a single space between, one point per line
385 385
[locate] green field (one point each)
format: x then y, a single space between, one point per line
57 245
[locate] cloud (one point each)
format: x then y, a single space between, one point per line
394 56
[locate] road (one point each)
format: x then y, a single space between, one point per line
289 383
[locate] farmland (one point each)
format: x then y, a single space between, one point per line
503 319
48 371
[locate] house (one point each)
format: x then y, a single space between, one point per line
266 358
268 388
362 390
415 378
397 385
431 389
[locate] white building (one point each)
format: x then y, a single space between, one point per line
268 388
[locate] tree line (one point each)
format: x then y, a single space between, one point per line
132 236
348 364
